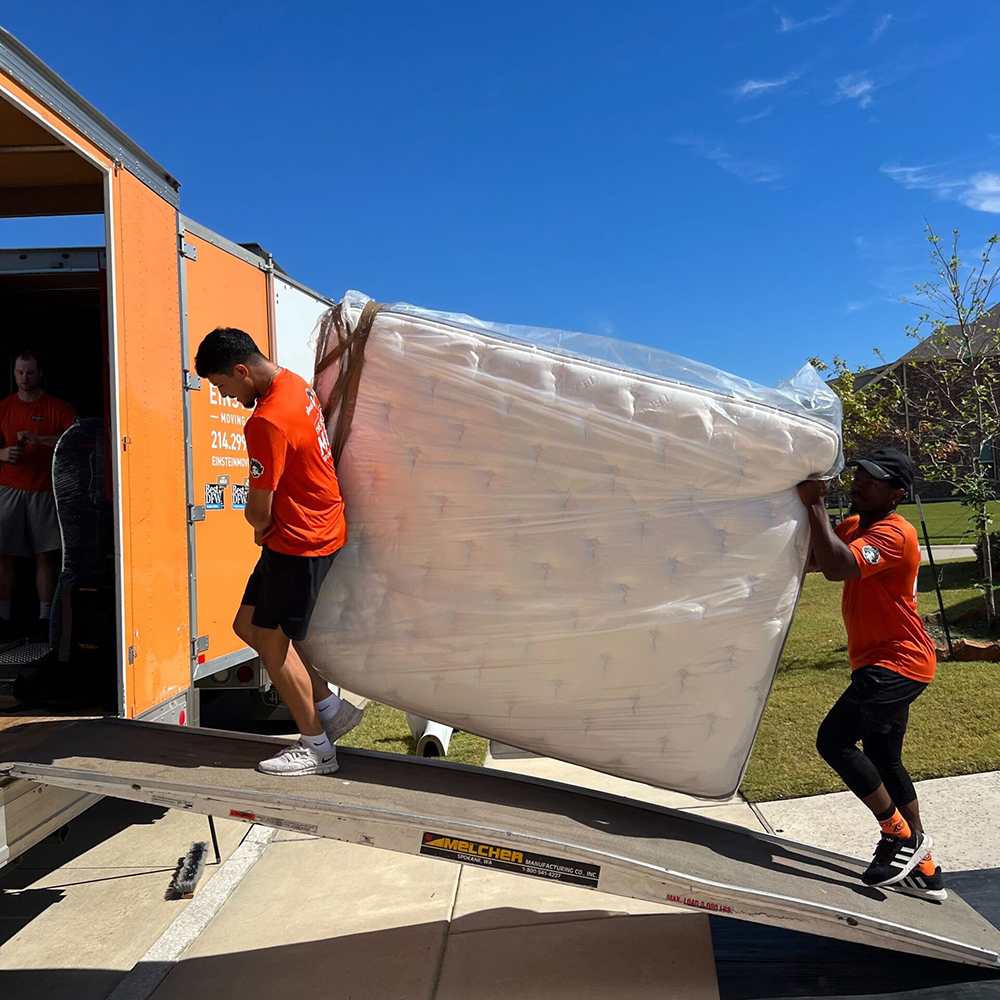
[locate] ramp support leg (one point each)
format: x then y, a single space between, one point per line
215 839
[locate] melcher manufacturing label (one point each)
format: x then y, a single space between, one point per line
507 859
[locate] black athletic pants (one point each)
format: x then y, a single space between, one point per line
874 711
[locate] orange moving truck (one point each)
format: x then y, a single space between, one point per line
119 326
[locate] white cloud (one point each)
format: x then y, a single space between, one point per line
855 306
855 87
787 24
880 27
980 191
754 88
910 177
751 171
746 119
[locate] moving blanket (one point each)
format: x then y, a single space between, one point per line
577 546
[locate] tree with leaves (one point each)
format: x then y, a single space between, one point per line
941 401
870 408
951 382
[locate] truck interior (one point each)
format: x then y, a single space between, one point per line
54 303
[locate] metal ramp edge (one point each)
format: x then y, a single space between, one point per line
458 826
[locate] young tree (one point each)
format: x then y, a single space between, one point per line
870 402
871 399
951 382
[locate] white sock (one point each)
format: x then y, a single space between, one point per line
321 744
44 609
328 707
5 609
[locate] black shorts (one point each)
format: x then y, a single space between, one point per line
881 698
282 590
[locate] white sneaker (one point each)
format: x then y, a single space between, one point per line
299 759
347 717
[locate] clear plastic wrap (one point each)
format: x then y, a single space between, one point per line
803 392
81 485
580 547
86 521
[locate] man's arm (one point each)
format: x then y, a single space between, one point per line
49 440
258 512
833 558
65 417
11 453
266 447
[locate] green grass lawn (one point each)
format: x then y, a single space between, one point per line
947 521
384 728
954 726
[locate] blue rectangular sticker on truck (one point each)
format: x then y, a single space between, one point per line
215 496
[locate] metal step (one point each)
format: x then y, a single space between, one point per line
504 822
20 654
16 656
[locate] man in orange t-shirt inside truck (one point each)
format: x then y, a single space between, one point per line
877 555
31 422
297 514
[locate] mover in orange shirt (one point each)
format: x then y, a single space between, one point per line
31 422
297 513
877 555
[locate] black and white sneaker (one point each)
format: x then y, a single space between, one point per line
923 886
895 858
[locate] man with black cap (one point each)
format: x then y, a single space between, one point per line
877 555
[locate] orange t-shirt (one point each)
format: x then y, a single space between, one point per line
46 416
290 454
880 610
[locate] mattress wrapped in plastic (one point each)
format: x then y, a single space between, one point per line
577 546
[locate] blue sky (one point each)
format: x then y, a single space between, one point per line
743 183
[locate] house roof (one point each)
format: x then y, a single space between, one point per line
984 336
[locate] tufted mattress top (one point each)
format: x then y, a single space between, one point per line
590 562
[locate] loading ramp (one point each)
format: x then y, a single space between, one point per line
506 822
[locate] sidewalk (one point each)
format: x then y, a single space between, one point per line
942 553
959 813
76 917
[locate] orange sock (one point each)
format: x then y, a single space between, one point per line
896 826
927 866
